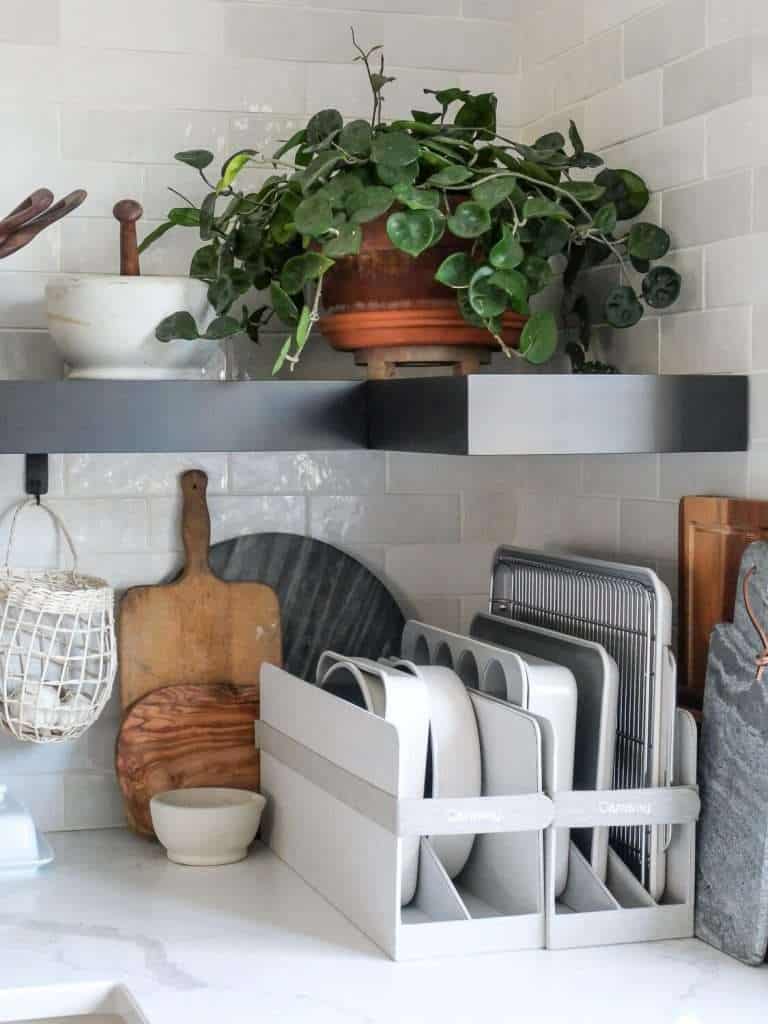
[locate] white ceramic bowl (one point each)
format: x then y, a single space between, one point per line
206 826
104 325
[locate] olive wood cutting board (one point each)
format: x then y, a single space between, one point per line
199 628
714 533
184 736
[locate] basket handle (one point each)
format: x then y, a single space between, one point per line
57 522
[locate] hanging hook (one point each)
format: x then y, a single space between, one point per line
36 475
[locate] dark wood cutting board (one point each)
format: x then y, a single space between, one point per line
328 599
197 629
714 533
184 736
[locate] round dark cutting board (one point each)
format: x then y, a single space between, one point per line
328 600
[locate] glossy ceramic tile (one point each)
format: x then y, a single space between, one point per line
150 475
354 472
386 519
230 517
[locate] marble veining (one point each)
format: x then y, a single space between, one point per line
252 942
732 860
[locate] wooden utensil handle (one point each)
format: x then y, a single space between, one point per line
127 212
195 522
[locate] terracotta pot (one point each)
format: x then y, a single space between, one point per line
383 297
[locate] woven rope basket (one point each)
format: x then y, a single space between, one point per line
58 655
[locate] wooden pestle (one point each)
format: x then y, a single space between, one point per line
127 212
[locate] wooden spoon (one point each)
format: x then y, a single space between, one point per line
18 239
127 212
27 210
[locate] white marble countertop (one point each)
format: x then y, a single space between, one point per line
252 943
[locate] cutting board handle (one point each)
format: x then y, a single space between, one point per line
195 523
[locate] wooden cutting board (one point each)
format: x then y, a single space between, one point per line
714 533
197 629
184 736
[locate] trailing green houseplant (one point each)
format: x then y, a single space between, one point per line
520 214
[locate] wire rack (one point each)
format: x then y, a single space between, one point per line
620 614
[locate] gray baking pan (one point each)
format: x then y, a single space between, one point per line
597 681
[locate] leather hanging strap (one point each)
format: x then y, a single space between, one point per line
762 658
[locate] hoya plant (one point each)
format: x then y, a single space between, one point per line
521 214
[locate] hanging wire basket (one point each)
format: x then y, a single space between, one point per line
58 656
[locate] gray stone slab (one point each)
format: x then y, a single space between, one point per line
732 858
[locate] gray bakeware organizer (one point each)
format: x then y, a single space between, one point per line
626 609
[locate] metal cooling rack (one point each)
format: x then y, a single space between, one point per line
621 614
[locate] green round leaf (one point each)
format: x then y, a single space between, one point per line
507 253
283 305
313 216
221 327
641 266
410 231
584 191
647 242
405 175
417 198
233 166
319 168
551 141
478 112
456 270
491 193
535 206
222 293
515 285
177 325
469 221
539 338
186 216
355 138
485 297
197 158
661 287
368 203
626 189
339 187
552 238
204 262
323 124
451 175
299 270
396 149
346 243
466 310
438 225
622 307
605 219
538 272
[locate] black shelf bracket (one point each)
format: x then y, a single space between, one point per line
36 475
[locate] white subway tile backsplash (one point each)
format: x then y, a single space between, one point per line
758 470
231 516
23 298
735 270
602 14
548 28
627 110
140 136
648 530
446 569
709 79
709 210
715 341
336 473
488 517
385 518
758 407
673 156
622 476
761 200
729 19
147 475
537 93
737 136
630 349
706 473
324 36
760 337
588 69
30 21
449 474
664 34
191 26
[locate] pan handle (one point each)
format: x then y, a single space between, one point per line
195 523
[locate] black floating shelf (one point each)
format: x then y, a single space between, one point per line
485 414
